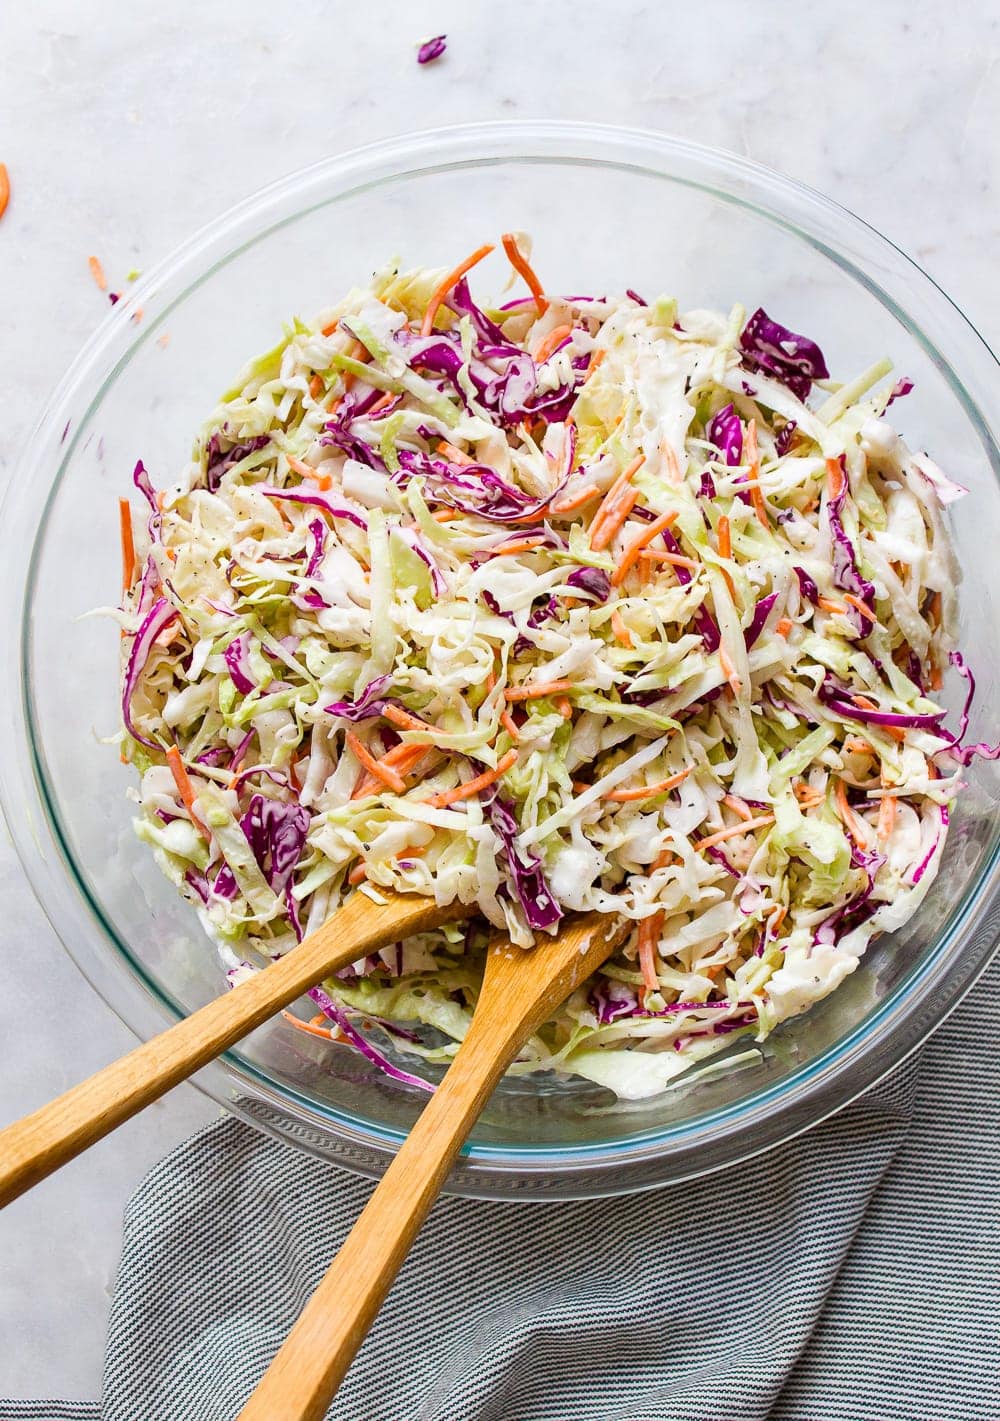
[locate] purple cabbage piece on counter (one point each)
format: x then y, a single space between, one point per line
772 349
432 49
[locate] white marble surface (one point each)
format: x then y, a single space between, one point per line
124 129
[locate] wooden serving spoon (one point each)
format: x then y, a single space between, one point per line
33 1147
520 989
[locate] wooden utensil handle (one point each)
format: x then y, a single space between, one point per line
33 1147
314 1358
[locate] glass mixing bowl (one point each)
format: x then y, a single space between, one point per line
608 208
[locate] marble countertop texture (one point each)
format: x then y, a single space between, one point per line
124 129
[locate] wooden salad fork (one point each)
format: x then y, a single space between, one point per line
33 1147
520 990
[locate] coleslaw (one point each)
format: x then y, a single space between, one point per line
573 603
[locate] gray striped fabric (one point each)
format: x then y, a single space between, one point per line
852 1275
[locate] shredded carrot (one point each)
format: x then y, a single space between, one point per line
403 719
835 479
4 188
356 351
937 609
744 827
381 771
886 816
895 731
649 939
784 626
184 787
358 874
858 745
548 343
937 680
670 459
726 551
508 723
306 471
518 545
753 477
738 806
316 386
565 707
444 515
851 821
725 538
621 631
532 690
673 559
309 1027
453 455
616 507
729 671
401 759
829 605
382 403
631 553
441 291
520 264
664 858
596 360
329 330
861 607
777 918
97 272
472 787
575 500
128 544
625 796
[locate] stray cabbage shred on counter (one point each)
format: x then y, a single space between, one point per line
576 603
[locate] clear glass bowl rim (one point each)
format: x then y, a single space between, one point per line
877 1044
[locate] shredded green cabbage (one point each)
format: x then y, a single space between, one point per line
459 525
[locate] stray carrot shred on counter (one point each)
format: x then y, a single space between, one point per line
4 188
97 272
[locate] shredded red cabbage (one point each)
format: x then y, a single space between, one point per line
776 351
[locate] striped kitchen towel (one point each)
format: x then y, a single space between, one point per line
851 1275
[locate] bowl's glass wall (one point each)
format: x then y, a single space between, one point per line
597 226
